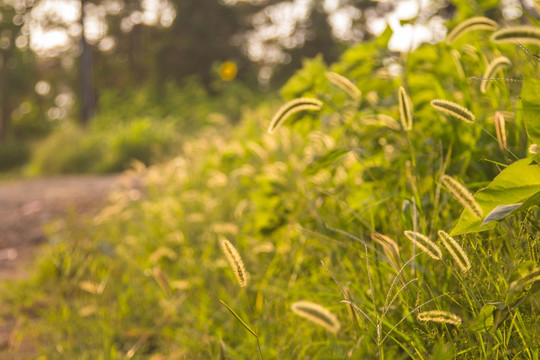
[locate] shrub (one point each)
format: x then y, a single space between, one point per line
140 140
13 153
68 151
76 150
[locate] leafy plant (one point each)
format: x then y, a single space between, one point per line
342 206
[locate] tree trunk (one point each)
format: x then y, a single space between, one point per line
5 121
88 99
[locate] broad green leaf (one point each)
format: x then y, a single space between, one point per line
499 212
308 81
500 314
484 320
530 96
383 39
518 183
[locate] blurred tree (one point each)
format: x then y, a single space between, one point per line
277 35
141 42
260 36
88 100
17 62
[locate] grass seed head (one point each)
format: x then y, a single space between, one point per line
500 129
456 251
475 23
424 243
344 84
316 314
390 248
534 149
525 34
235 261
405 109
161 278
453 109
456 58
462 195
439 316
491 70
290 108
381 120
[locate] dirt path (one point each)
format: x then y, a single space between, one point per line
26 205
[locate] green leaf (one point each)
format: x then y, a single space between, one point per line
308 81
238 318
530 96
500 314
383 39
325 161
499 212
484 320
518 183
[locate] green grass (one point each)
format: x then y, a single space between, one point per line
146 277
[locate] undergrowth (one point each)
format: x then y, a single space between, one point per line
142 124
354 241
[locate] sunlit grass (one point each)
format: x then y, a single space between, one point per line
342 220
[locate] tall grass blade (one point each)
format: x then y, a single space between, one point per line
239 318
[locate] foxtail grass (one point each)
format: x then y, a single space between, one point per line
534 149
492 68
344 84
235 261
405 109
316 314
500 129
462 195
453 109
291 108
439 316
161 279
475 23
456 58
381 120
390 248
424 243
456 251
239 270
525 34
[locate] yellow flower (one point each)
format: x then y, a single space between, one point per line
227 71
